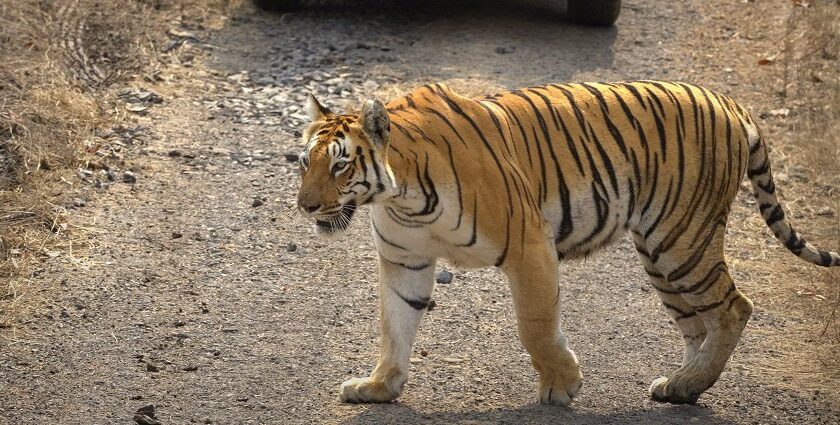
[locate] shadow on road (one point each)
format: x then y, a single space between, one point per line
508 44
535 413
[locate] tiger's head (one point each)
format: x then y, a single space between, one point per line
343 164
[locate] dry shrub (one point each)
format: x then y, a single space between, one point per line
58 61
814 92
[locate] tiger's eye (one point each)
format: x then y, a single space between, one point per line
338 166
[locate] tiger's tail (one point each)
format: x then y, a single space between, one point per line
758 172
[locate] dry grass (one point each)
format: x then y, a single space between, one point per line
812 89
819 78
58 63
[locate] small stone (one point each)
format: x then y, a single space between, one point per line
291 157
826 211
152 368
501 50
191 368
146 415
174 153
291 247
177 235
178 323
129 177
145 420
444 277
424 352
137 109
79 202
257 203
64 314
148 410
431 306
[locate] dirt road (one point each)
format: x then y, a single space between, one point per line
205 295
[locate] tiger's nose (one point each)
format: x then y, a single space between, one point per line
311 208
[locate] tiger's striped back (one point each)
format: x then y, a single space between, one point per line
662 159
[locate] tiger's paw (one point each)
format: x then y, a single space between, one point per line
672 391
562 389
366 390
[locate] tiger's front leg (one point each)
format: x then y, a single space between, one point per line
405 290
536 297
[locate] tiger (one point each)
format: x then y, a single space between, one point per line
522 179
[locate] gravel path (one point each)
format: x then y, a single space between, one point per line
207 297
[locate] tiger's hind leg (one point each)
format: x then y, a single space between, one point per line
689 323
694 266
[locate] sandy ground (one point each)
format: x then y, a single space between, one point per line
206 296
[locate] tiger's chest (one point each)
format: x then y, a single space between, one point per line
402 241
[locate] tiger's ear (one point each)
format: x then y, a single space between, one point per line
316 110
376 124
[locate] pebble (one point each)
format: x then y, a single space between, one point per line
146 416
177 235
291 247
291 157
129 177
826 211
257 203
79 202
444 277
145 420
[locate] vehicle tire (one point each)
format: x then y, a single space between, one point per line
601 13
279 5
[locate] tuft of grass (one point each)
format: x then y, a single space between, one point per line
58 63
813 90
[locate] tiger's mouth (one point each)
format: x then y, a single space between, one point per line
338 221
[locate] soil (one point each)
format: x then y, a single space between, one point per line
205 295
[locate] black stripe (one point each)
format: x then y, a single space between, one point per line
707 282
769 188
686 267
707 307
420 304
472 240
682 314
825 258
794 243
754 148
416 268
776 215
619 140
762 169
379 234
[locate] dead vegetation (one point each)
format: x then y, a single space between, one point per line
817 84
60 65
807 170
